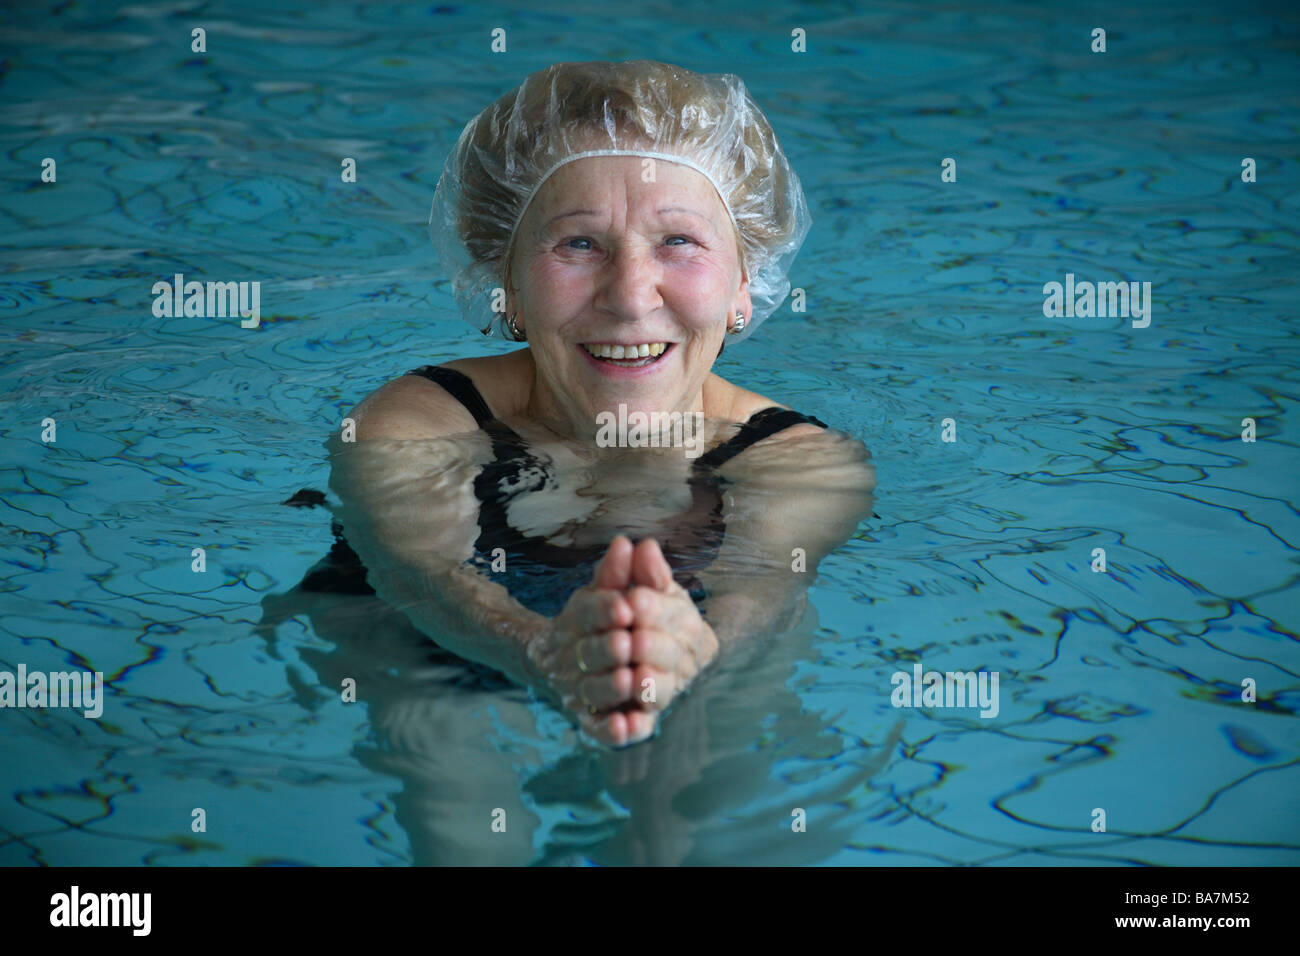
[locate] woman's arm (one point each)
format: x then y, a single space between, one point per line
410 512
792 499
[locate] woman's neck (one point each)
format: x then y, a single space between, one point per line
713 399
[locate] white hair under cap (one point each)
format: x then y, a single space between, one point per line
571 111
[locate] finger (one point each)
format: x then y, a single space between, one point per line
615 568
608 690
654 689
617 729
600 610
649 566
629 726
603 652
640 725
646 604
610 728
655 648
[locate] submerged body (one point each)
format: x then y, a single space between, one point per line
430 490
546 513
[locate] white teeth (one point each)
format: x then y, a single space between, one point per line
644 350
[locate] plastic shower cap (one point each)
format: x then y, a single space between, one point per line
641 108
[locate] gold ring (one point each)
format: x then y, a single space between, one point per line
582 665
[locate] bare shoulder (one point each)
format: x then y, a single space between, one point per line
412 406
822 457
504 381
742 404
806 457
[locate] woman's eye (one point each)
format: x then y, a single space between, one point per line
585 244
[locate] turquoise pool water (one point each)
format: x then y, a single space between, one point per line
1119 691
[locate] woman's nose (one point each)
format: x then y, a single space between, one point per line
631 283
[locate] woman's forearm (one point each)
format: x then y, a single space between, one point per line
739 614
467 614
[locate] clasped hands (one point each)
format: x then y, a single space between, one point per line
624 646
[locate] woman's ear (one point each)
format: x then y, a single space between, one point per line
741 303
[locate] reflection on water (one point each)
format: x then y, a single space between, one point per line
463 743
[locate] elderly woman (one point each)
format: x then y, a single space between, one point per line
625 220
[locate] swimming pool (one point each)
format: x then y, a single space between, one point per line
1118 690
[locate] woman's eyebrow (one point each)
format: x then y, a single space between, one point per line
564 215
689 212
713 229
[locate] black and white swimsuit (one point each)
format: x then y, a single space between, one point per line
542 575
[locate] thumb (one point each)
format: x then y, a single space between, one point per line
615 568
649 566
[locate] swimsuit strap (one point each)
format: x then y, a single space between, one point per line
460 387
761 425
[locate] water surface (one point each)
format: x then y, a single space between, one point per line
1119 690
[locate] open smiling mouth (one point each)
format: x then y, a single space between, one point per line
629 356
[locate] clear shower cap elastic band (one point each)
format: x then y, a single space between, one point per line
572 111
666 157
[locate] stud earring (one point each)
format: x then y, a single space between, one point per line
740 323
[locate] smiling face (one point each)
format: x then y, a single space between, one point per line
602 258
